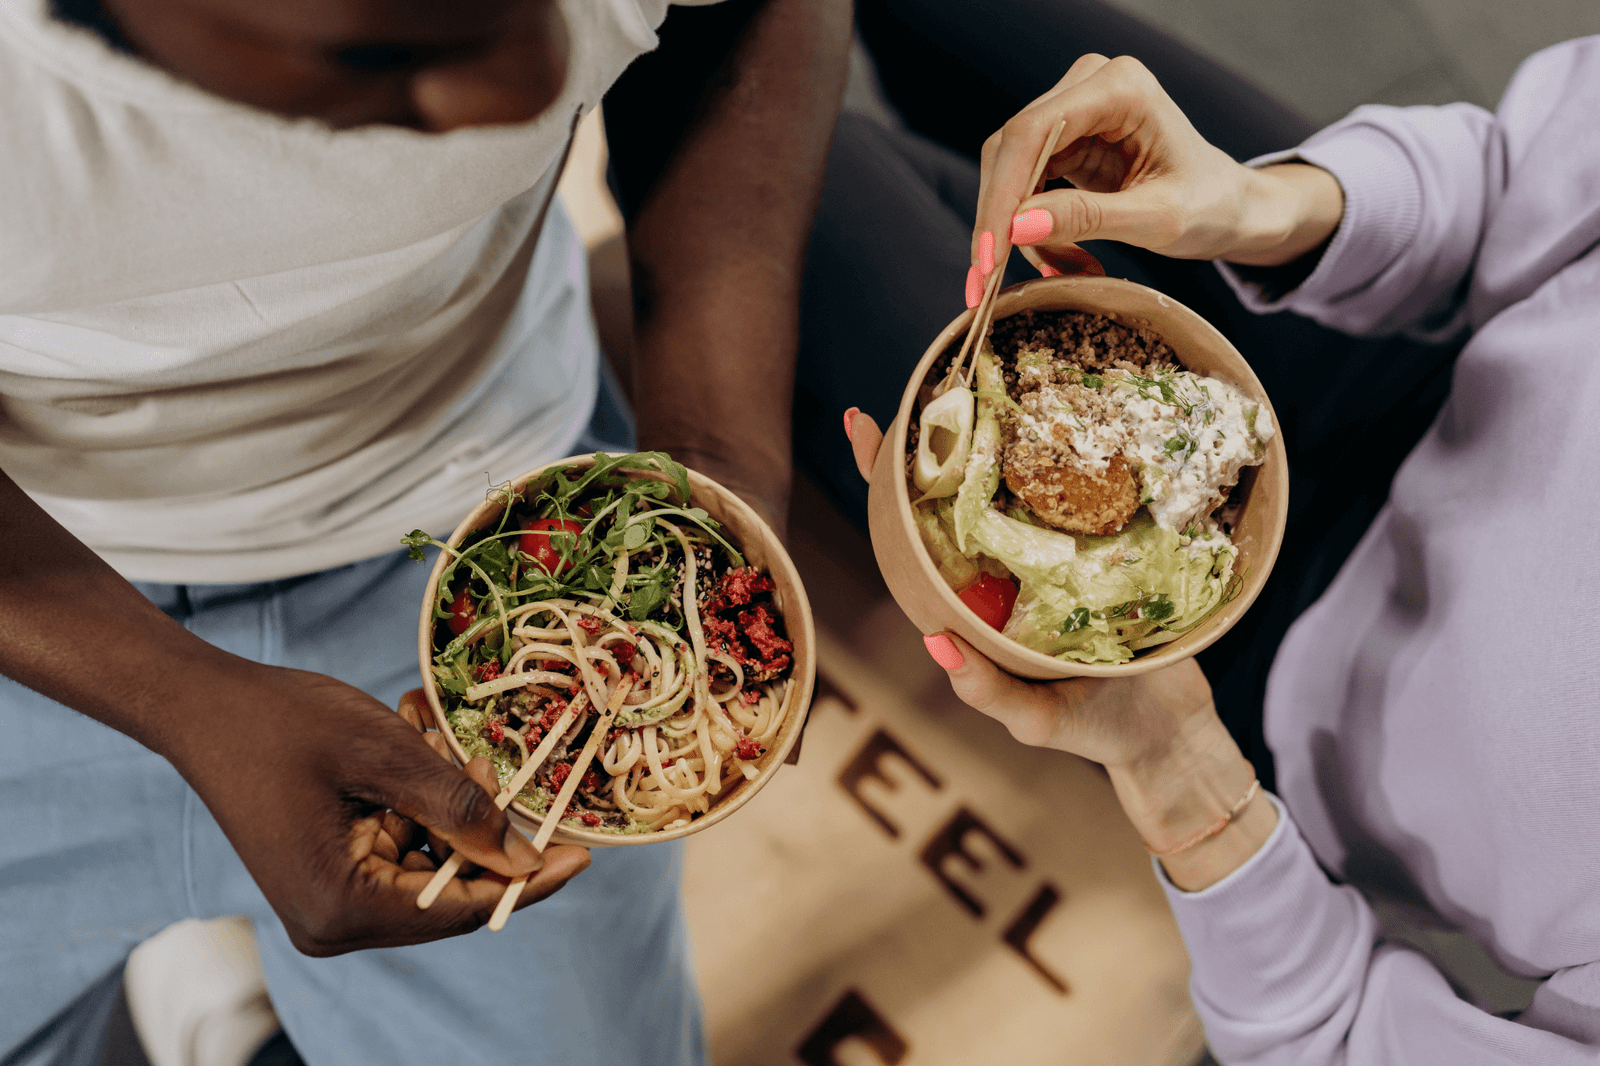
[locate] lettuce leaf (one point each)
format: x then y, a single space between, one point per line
983 461
1029 551
1085 599
956 569
1111 596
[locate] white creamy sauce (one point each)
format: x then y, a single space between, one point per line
1184 453
1048 415
1094 442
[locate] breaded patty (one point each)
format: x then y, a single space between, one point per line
1067 494
1063 458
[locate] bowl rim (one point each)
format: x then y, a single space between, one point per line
1276 466
797 618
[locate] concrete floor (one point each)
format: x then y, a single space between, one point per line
1324 57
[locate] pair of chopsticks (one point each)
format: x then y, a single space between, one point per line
558 806
984 315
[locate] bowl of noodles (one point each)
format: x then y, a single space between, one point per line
1100 490
599 573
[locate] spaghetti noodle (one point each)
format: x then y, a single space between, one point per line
634 587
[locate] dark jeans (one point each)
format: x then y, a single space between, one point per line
889 257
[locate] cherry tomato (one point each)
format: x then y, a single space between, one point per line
463 612
536 542
990 598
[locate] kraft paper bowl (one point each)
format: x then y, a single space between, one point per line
745 530
909 571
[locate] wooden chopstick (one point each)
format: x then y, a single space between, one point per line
518 780
558 806
985 311
980 321
990 287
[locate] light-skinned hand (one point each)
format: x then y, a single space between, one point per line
1141 174
1170 759
1113 721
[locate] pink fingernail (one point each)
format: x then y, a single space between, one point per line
1031 227
974 286
849 417
986 253
1048 271
944 651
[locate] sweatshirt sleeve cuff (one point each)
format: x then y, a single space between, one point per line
1274 939
1382 216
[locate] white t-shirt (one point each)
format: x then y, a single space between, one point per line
236 347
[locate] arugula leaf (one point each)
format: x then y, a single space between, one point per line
454 676
635 535
495 560
416 540
645 600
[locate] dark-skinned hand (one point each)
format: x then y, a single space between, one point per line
328 797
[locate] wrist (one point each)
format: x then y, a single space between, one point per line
1214 858
761 480
211 707
1289 210
1175 792
1196 804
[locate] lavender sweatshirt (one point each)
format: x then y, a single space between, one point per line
1436 715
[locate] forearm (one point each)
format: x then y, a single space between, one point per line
1185 790
1289 210
717 240
1292 969
75 630
1421 188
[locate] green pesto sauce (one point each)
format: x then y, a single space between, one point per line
467 721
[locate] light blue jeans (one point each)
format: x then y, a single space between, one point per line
105 845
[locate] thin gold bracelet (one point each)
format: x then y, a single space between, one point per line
1206 834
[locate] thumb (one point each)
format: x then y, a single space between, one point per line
460 811
865 440
1030 712
1141 215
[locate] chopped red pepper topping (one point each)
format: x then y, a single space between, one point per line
487 671
745 630
758 629
747 749
560 773
589 818
737 588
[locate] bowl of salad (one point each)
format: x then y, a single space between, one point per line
1099 489
624 639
